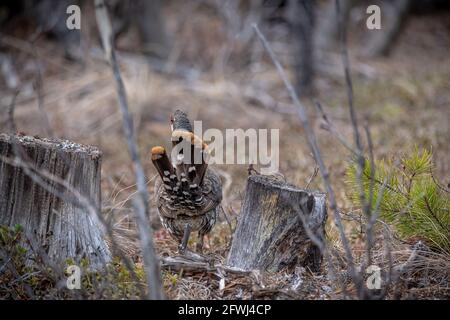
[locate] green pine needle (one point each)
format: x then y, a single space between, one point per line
410 201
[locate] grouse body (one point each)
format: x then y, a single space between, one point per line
188 193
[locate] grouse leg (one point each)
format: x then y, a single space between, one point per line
199 246
184 242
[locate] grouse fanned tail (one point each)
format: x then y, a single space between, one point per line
188 192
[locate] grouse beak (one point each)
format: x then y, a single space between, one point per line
171 122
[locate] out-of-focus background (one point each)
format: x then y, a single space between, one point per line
203 56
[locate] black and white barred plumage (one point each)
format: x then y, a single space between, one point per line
189 193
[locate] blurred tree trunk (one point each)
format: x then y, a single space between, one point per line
52 215
51 18
394 17
301 16
328 33
152 29
147 16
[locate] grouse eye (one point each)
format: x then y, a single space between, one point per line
172 120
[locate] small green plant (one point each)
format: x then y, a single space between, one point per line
407 197
24 275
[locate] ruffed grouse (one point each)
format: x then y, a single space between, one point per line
189 193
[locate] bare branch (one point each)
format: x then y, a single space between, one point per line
313 175
38 83
141 205
437 183
301 111
369 226
354 120
11 109
332 128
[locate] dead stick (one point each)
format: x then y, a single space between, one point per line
141 205
301 110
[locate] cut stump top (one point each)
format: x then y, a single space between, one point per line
59 145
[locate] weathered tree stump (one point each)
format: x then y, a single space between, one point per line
48 211
270 234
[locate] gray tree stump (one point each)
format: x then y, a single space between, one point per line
51 216
270 234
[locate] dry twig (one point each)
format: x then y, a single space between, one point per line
301 111
141 203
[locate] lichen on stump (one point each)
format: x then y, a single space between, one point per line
58 224
270 234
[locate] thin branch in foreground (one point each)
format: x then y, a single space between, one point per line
311 178
369 226
11 121
332 128
38 86
301 110
354 120
141 205
438 184
360 160
39 81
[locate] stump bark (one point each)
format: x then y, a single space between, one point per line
51 215
270 234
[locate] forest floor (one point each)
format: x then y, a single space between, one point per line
406 98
